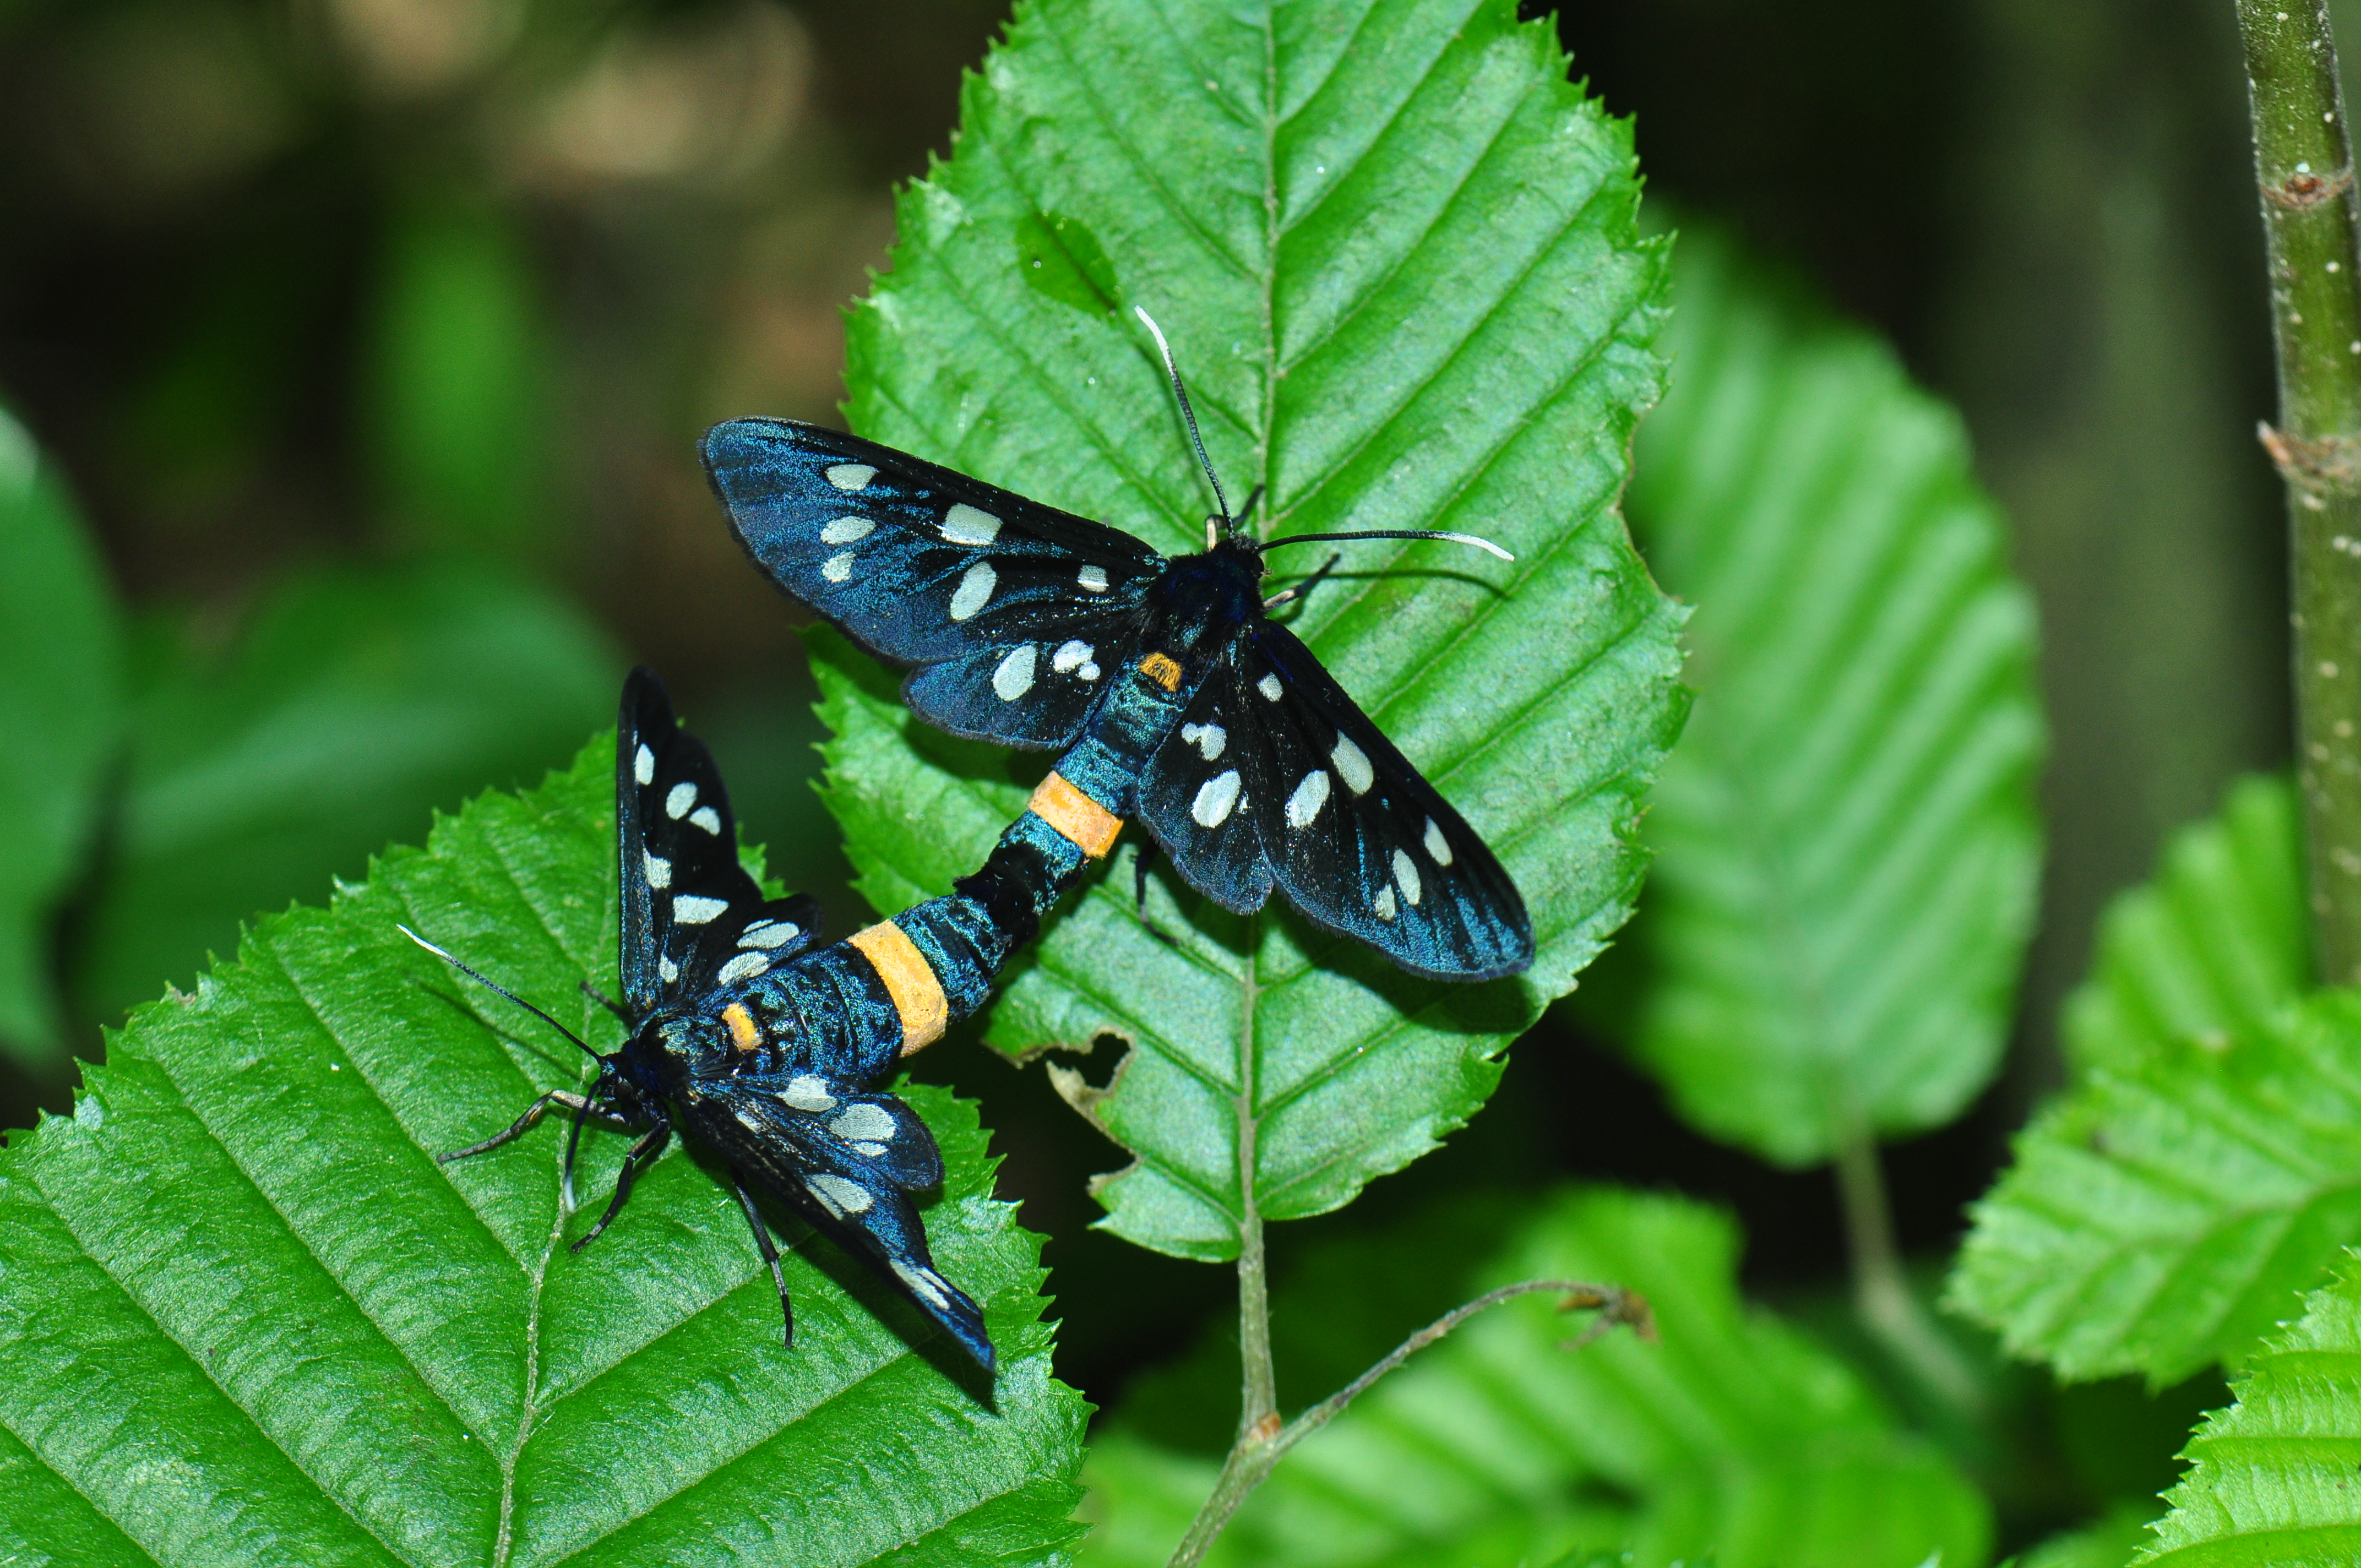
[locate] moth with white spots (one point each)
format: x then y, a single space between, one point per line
1171 697
748 1037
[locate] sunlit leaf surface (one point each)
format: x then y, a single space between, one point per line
2205 1166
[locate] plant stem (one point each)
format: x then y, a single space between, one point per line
1260 1447
1881 1289
2303 165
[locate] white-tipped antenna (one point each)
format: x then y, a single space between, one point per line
1188 415
1442 534
495 987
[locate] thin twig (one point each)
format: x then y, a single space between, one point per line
1260 1448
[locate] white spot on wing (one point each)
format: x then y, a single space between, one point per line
838 568
769 934
808 1093
864 1121
1269 686
1384 904
845 530
963 524
871 1150
1089 671
682 797
668 969
919 1280
1093 578
659 870
842 1197
1308 797
1069 655
690 910
1437 844
1406 877
850 475
1209 739
705 817
1353 764
1217 798
974 586
643 764
1014 677
745 966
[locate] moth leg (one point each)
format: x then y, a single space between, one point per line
519 1127
645 1148
1141 849
770 1252
603 1000
1302 590
573 1141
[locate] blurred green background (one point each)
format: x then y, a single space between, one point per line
371 338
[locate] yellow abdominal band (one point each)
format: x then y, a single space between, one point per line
909 980
1088 826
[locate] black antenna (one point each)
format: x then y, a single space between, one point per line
496 988
1393 533
1188 417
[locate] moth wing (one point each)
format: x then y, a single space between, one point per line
1036 694
690 913
858 1200
1198 792
924 565
1341 822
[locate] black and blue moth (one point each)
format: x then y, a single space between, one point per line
1171 696
762 1044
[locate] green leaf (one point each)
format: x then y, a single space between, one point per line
2112 1543
1732 1436
250 1321
1394 251
351 705
2206 1164
2212 949
60 705
2272 1479
1847 846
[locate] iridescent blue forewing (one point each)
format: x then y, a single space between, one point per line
1276 777
692 918
844 1158
994 594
